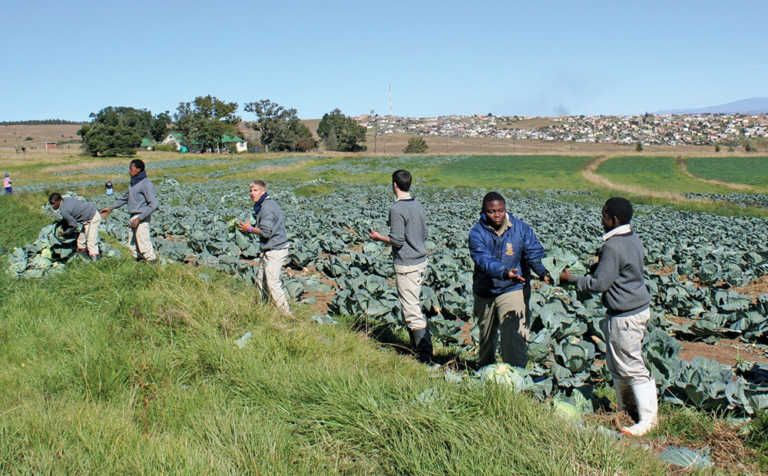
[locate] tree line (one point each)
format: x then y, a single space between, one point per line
206 120
40 122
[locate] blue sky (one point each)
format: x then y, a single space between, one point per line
68 59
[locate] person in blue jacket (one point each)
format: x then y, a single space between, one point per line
504 249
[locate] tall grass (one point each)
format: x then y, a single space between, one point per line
123 367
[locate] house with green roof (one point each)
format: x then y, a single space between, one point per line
233 143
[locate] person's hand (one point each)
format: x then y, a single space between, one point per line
134 222
564 276
548 278
244 227
104 212
375 235
513 275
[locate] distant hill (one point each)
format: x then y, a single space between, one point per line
744 106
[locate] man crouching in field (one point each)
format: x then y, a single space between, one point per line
269 223
82 217
619 276
407 236
504 249
141 201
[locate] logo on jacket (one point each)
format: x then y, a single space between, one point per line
510 251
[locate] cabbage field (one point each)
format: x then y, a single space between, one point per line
694 261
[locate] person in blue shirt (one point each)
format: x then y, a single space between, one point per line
504 249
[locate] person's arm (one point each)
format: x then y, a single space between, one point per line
533 253
483 258
67 216
116 204
604 276
266 225
148 191
393 217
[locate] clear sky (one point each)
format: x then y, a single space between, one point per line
68 59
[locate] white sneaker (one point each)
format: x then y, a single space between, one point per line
647 408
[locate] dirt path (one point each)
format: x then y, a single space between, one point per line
682 164
589 172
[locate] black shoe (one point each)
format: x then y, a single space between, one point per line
421 340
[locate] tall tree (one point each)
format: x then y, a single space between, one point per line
115 131
159 126
348 133
205 120
279 128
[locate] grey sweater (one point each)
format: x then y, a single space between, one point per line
271 221
76 212
140 199
619 276
408 232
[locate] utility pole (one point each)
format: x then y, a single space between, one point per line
375 119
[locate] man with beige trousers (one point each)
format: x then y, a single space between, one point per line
269 225
81 217
141 202
407 236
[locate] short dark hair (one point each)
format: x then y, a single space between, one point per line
620 208
54 197
138 163
403 179
492 197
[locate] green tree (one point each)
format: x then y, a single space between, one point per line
639 147
279 128
115 131
330 140
204 121
717 147
348 132
416 145
159 126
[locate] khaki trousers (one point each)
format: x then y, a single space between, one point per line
624 347
268 277
90 236
408 281
508 313
140 242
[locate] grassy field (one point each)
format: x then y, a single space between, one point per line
654 173
123 367
745 170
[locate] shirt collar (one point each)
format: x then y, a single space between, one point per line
503 228
405 196
619 230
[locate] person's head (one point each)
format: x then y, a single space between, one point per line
258 189
617 211
495 208
136 167
109 182
55 200
402 180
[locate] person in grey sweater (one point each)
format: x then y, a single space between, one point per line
141 202
269 225
619 276
81 217
407 236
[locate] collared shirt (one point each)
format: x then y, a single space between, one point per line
405 196
619 230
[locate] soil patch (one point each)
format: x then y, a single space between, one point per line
725 351
755 288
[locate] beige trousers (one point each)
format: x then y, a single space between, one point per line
508 312
268 277
140 242
90 236
408 281
624 347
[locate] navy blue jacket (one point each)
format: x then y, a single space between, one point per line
495 255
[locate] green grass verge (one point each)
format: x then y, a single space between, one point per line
539 172
654 173
743 170
123 367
